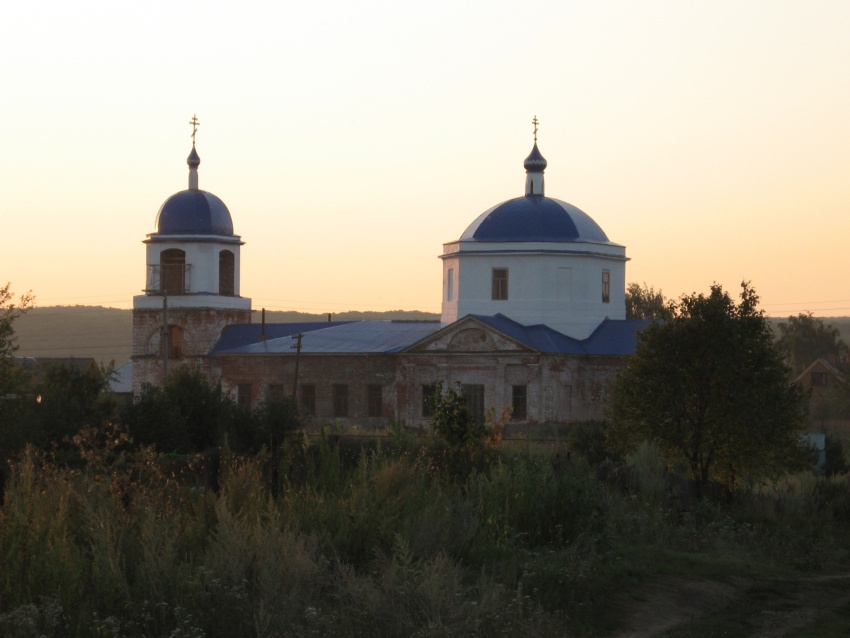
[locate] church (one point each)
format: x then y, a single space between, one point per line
533 318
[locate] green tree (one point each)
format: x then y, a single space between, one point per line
643 302
711 389
69 398
14 379
804 338
192 413
454 423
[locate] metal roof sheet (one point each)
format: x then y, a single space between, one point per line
612 337
350 337
534 218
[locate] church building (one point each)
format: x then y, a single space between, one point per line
533 317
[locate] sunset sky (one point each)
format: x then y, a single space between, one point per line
350 140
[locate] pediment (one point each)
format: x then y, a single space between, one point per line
469 335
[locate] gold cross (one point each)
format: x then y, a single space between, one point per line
535 122
195 124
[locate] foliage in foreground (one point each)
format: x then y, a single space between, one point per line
383 542
711 389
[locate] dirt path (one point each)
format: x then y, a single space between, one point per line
772 608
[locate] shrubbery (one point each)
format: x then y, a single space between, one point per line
385 541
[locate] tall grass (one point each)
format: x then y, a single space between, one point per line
380 541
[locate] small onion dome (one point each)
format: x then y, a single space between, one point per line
536 219
194 159
194 212
535 162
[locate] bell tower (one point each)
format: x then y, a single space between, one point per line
192 288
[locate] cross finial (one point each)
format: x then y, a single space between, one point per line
535 122
195 124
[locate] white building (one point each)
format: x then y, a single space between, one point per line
537 260
533 317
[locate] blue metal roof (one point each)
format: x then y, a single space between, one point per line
534 218
194 212
612 337
342 337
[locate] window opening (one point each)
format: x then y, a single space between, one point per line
226 273
243 394
175 342
820 379
500 284
606 286
429 399
340 392
307 398
519 401
474 393
374 400
172 263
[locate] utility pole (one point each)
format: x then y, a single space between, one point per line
166 338
297 348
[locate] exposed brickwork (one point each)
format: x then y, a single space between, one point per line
201 329
560 388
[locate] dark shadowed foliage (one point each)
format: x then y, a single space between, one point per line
711 389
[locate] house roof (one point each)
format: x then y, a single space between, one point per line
820 363
348 337
612 337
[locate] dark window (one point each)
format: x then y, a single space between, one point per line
474 394
175 342
226 273
820 379
274 390
243 394
500 283
172 264
340 391
429 399
519 401
374 400
307 399
606 286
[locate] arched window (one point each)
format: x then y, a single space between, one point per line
226 273
172 278
175 342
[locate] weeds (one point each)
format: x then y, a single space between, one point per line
375 540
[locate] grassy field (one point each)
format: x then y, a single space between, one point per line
366 538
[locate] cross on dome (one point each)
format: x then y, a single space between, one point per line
195 124
534 121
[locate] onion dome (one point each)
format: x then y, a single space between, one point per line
193 211
535 162
534 218
194 160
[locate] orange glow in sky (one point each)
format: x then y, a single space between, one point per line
351 140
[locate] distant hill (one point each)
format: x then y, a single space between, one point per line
106 334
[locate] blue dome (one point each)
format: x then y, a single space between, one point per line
194 212
534 218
